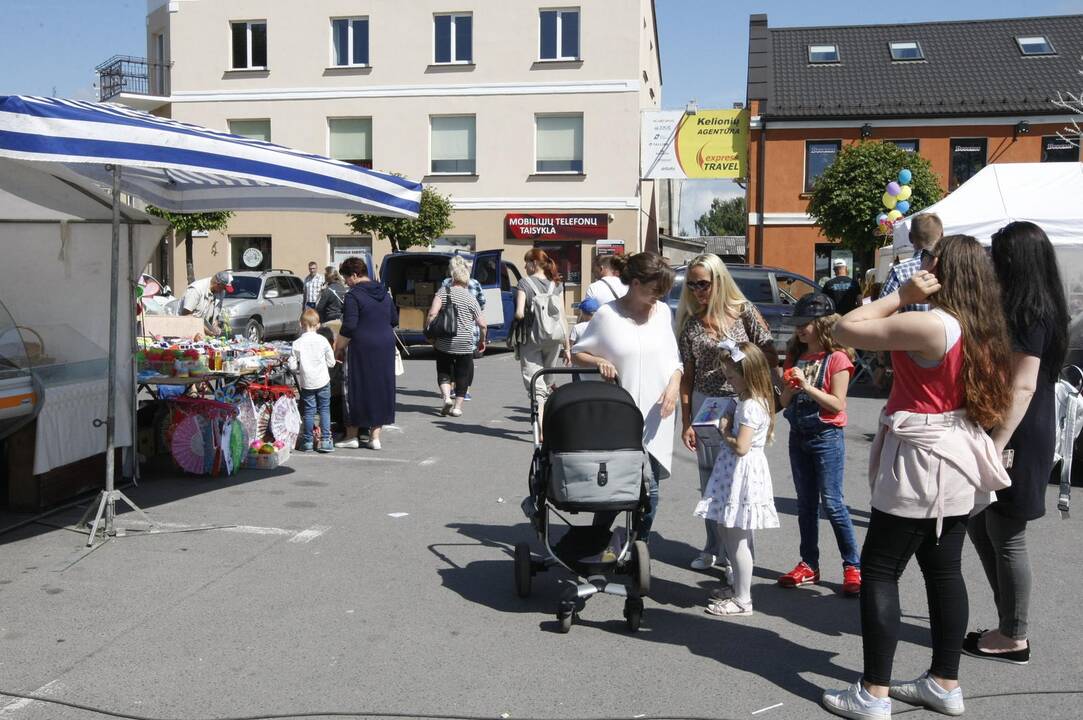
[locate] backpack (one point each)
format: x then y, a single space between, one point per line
547 316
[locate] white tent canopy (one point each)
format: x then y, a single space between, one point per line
1047 194
55 279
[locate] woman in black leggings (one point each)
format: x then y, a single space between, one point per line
930 461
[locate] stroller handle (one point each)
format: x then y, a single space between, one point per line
559 371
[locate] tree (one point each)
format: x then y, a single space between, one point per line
188 223
726 217
846 198
432 221
1073 103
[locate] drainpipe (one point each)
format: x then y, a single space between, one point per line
761 155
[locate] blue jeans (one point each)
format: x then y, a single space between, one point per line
817 461
311 400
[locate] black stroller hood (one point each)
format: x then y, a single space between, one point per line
592 416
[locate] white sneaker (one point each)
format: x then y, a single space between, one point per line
729 607
856 702
374 444
703 561
455 412
448 404
351 444
927 692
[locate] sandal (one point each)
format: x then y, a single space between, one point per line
730 607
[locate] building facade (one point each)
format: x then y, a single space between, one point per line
961 94
527 115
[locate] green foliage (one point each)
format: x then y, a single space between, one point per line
433 220
725 217
846 198
193 222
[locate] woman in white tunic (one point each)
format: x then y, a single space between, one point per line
632 338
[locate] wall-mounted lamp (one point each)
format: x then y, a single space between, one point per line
1021 128
691 108
866 131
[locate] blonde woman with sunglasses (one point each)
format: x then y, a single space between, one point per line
712 309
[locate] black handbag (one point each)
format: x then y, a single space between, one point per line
446 323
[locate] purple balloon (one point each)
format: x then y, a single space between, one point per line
893 188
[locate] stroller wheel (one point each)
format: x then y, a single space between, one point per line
633 613
641 563
523 569
565 615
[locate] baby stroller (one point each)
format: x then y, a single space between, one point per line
591 460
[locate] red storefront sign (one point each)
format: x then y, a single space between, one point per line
556 226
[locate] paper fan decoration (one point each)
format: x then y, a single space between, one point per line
234 446
210 446
246 414
188 444
285 420
263 420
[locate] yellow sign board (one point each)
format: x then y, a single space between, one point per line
710 144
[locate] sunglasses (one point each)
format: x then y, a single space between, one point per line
699 284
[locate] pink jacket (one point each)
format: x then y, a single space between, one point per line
924 466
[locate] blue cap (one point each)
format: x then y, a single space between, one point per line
589 305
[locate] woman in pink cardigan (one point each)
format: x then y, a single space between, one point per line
931 462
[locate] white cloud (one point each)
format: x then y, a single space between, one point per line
696 197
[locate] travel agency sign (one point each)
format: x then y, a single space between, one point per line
710 144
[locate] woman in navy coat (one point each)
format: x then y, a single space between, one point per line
368 316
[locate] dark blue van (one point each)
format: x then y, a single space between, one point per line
402 273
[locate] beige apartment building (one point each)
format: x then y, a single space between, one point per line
527 114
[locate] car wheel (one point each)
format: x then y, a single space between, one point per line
253 330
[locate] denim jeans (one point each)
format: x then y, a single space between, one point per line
311 401
1001 542
817 461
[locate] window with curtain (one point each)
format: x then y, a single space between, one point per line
559 144
254 129
968 156
351 140
350 39
249 44
559 34
819 154
453 38
1057 149
453 144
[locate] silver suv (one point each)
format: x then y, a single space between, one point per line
264 304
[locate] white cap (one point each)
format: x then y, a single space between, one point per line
839 263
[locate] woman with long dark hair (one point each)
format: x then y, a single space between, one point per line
930 462
1037 315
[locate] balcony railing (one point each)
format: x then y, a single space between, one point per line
134 75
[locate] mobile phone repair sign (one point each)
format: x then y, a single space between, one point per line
710 144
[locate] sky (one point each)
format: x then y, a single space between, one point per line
52 46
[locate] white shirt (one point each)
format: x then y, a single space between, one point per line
605 289
646 357
200 302
311 357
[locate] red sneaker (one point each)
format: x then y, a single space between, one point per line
851 580
800 575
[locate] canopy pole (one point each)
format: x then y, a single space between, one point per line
107 499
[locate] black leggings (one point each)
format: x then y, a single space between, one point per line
455 368
889 544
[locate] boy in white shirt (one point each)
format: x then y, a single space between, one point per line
311 357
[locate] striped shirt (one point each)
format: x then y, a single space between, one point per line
468 311
899 274
313 287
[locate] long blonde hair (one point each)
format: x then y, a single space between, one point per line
726 298
757 374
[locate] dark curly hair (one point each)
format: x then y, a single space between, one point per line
353 266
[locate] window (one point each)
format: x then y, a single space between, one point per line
568 257
819 54
1057 149
252 129
453 38
559 144
1035 45
560 34
351 140
249 45
288 286
453 144
792 288
906 51
454 243
250 252
907 145
350 41
347 246
967 158
819 154
755 286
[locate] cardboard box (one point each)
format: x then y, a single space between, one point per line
405 300
422 301
412 318
425 288
179 326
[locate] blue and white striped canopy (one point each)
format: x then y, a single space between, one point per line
187 168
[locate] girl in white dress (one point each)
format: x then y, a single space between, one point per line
739 497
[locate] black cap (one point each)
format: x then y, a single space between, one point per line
811 306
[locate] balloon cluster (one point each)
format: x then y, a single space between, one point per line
897 201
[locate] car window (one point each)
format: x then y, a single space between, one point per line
755 286
485 270
792 288
290 286
510 279
677 289
271 284
244 288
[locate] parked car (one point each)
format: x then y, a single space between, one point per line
772 290
412 278
264 304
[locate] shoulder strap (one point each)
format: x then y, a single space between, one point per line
611 290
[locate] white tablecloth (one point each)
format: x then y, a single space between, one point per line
66 431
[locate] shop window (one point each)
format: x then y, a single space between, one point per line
249 44
819 154
252 129
351 140
250 252
968 156
350 41
341 247
568 257
1057 149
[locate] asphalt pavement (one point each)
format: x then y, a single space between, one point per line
382 582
